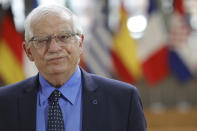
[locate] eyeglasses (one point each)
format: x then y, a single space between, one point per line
44 41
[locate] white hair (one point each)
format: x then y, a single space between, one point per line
43 10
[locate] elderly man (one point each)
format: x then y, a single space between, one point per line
63 97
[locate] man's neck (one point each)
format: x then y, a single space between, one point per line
57 80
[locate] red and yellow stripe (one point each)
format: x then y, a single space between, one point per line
124 53
11 52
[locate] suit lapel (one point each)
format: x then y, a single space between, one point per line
27 106
91 99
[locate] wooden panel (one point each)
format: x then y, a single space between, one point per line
172 120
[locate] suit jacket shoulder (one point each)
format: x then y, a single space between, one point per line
17 88
111 105
17 105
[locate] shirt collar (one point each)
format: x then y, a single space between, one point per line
69 89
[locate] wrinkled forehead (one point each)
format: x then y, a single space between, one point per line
44 14
51 23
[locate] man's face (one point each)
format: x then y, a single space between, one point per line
55 58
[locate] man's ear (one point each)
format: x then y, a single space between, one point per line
26 47
81 40
81 43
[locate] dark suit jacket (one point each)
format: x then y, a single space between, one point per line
108 105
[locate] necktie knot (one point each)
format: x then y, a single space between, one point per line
55 96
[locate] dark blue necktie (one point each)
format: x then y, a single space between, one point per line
55 118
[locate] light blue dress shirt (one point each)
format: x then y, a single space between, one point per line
70 103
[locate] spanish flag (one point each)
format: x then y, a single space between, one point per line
124 53
11 52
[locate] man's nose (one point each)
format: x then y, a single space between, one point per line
54 46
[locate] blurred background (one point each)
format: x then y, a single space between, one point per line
151 44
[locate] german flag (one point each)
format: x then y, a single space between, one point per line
11 52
